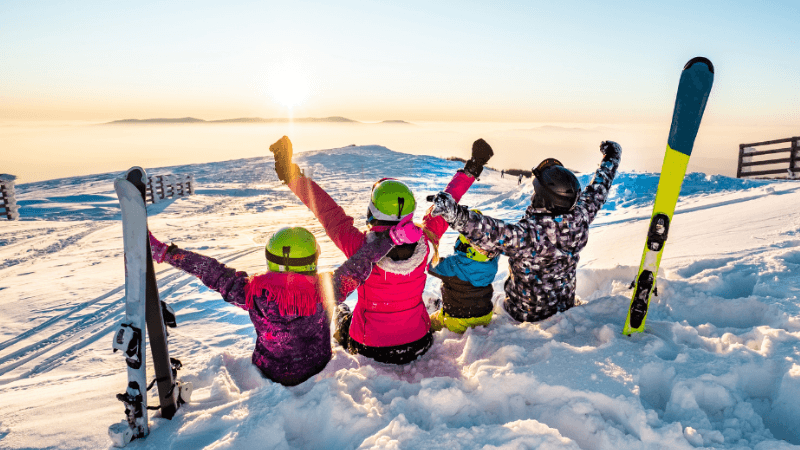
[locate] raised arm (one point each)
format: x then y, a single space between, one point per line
215 275
458 186
489 234
460 183
594 196
337 224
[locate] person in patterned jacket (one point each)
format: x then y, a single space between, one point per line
543 247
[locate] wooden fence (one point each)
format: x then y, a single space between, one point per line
8 203
750 166
160 187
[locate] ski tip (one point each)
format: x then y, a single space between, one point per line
136 175
699 59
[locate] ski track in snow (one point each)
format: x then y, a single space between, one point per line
718 365
87 328
23 253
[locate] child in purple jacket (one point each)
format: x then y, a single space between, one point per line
287 303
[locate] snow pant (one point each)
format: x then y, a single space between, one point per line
534 310
396 354
290 375
441 319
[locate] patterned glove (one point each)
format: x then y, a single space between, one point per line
158 248
282 150
405 232
610 149
481 154
444 205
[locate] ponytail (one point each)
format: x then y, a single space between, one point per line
434 240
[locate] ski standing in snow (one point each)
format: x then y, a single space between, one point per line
694 88
143 308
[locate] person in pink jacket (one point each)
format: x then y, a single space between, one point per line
389 322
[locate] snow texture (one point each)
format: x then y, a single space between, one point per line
718 367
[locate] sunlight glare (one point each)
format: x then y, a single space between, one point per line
288 87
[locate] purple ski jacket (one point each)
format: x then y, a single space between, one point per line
287 309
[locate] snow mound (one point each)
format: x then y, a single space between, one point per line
718 366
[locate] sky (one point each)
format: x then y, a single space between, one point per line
526 61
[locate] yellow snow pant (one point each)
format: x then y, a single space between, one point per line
440 319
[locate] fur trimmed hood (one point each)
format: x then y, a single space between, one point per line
405 266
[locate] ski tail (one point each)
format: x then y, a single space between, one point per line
694 88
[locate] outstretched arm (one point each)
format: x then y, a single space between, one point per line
461 182
355 271
337 224
212 273
489 234
596 193
457 187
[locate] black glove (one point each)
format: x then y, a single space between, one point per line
481 154
282 150
610 149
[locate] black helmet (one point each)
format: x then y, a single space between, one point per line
556 187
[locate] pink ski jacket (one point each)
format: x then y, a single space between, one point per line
390 310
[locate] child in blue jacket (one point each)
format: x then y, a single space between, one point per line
467 292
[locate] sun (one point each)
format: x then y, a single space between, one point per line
288 86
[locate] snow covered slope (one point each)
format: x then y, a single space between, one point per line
719 365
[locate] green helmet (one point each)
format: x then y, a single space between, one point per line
292 249
391 200
463 245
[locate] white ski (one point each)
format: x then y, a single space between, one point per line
130 336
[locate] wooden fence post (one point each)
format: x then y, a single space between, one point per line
741 156
150 190
793 157
9 202
161 188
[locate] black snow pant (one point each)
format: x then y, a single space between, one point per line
397 354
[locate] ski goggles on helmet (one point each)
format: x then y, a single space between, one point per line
464 246
305 265
544 165
292 249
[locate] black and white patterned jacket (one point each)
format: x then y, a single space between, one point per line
543 249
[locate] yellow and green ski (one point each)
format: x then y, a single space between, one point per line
693 90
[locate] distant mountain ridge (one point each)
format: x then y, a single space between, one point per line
192 120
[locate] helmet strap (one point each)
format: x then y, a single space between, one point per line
286 250
538 202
